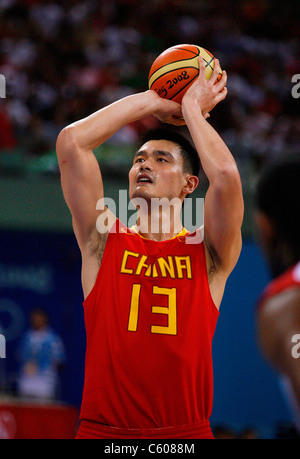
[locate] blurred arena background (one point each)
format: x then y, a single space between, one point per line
63 60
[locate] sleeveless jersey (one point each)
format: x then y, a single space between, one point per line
289 279
150 321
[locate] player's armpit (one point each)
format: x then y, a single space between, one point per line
223 216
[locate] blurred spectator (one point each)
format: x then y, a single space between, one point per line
63 60
42 355
223 432
249 433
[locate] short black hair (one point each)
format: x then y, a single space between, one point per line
191 161
277 196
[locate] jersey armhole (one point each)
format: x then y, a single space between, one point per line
206 275
197 237
117 226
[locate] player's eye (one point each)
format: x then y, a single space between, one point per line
162 159
138 160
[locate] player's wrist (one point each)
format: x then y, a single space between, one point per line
138 106
191 107
153 100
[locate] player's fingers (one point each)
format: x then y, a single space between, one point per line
216 71
221 95
201 68
221 84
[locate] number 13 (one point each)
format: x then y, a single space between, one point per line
170 311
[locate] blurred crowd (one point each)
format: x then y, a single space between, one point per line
63 60
278 431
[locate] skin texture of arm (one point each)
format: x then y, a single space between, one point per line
224 207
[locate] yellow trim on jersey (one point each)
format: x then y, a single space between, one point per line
183 232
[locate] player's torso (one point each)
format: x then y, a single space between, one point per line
150 320
152 287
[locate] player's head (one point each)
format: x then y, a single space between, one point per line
191 161
165 166
277 211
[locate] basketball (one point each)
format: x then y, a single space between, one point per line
174 70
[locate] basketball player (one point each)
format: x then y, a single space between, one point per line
151 297
277 217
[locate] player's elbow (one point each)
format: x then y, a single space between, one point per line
225 174
229 175
66 143
228 186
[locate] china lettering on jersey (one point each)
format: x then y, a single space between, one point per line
150 320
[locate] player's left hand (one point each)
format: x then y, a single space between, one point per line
207 93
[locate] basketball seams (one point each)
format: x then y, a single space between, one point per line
204 51
188 50
175 65
166 73
151 83
208 63
186 47
181 89
152 72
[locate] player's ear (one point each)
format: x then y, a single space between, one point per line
191 183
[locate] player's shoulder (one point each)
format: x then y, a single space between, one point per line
283 306
280 286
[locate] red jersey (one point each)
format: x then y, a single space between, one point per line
289 279
150 321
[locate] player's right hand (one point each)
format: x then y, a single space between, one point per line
166 111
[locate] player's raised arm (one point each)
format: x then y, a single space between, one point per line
80 173
223 208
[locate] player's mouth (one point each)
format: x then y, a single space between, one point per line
144 178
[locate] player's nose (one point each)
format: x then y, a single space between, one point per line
146 165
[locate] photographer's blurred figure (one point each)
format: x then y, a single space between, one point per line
42 355
278 314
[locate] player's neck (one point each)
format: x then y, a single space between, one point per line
159 226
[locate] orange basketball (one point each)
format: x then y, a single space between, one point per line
174 70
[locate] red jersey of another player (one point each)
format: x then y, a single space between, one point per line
150 321
289 279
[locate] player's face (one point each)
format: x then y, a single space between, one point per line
157 171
